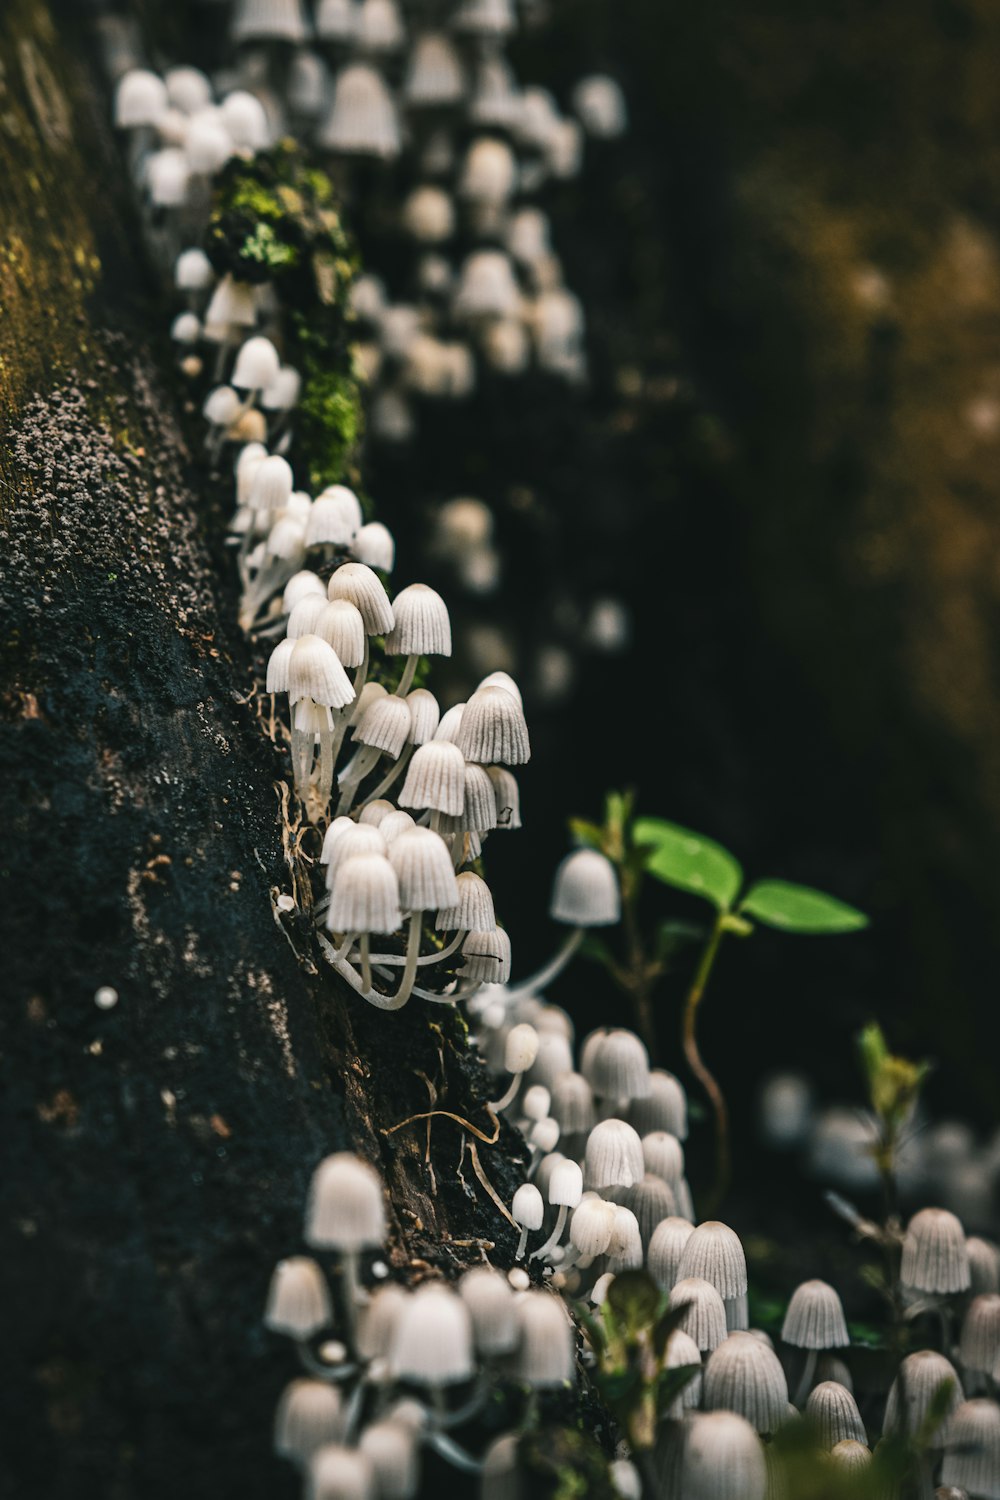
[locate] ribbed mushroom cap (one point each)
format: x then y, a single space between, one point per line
704 1316
490 1299
473 911
665 1107
487 956
424 869
613 1156
625 1252
745 1376
337 1473
479 810
493 729
332 520
591 1225
573 1103
271 485
335 20
311 718
935 1257
851 1455
339 623
835 1412
365 896
737 1313
377 1320
378 26
375 547
714 1253
315 672
385 725
984 1265
362 587
346 1209
682 1350
585 890
815 1318
278 667
298 1301
722 1459
435 778
425 715
308 1417
528 1207
666 1247
921 1376
663 1155
450 726
285 540
488 173
507 797
394 824
345 840
972 1449
545 1355
422 626
305 616
616 1064
393 1450
374 814
433 1338
565 1185
979 1348
363 119
651 1201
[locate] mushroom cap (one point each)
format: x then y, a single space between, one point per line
745 1376
425 715
573 1103
493 728
972 1448
585 891
314 671
346 1207
298 1300
385 725
850 1454
723 1459
433 1338
434 72
365 896
616 1063
421 626
308 1417
363 588
979 1347
374 546
490 1299
703 1313
815 1318
257 364
435 778
362 119
528 1207
392 1449
665 1108
339 1473
835 1411
473 911
565 1186
378 1318
613 1155
340 624
714 1253
652 1201
423 866
916 1387
545 1353
592 1224
935 1255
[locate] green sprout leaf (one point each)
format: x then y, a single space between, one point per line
798 908
689 861
634 1298
670 1383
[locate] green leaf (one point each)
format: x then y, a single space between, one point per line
670 1383
689 861
634 1298
587 833
798 908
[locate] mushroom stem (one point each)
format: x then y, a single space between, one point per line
509 1094
412 954
555 1236
522 1242
353 1296
452 1453
548 972
363 762
361 675
805 1384
409 672
345 947
366 964
303 742
329 749
427 958
394 774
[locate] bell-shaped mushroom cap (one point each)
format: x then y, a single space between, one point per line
365 896
256 366
278 664
473 911
835 1412
616 1064
346 1210
487 957
487 288
613 1156
284 390
585 891
665 1107
704 1316
935 1256
193 271
433 1339
490 1299
393 1450
565 1185
925 1379
485 18
434 72
520 1048
140 99
425 715
624 1251
591 1225
378 26
479 810
489 172
528 1207
851 1455
335 20
186 328
337 1473
422 626
374 546
308 1417
723 1459
435 778
815 1318
424 870
362 120
682 1351
738 1314
269 21
233 304
271 485
745 1376
666 1247
314 671
979 1348
339 623
451 723
366 698
573 1103
972 1449
535 1106
222 406
302 585
545 1355
305 615
663 1155
363 588
493 729
378 1318
298 1301
286 539
507 797
385 726
652 1201
554 1060
345 840
334 519
394 824
714 1253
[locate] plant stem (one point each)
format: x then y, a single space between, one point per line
638 976
697 1066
